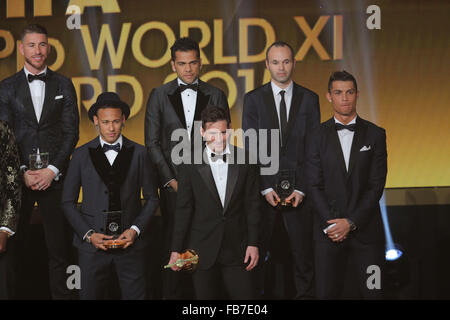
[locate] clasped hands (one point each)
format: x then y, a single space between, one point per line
97 239
340 231
38 180
273 199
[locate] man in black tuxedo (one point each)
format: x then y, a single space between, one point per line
112 171
293 110
176 105
346 168
41 107
10 194
218 215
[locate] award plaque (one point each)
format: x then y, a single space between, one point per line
113 225
285 186
187 261
38 161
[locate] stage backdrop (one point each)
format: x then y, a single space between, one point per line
398 51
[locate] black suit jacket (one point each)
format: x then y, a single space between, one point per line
86 170
57 130
165 113
259 112
355 194
203 224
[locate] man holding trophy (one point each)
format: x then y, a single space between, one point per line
292 110
217 215
40 105
111 225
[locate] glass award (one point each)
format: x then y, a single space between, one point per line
38 161
285 186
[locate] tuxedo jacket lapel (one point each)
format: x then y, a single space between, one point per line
232 176
205 172
123 159
100 161
358 138
177 104
24 98
201 103
296 102
51 88
270 108
336 146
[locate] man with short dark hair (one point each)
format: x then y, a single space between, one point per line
10 193
292 110
111 171
346 166
176 105
41 107
218 214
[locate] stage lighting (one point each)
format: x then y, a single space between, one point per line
393 253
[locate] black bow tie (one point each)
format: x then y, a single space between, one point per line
107 147
193 86
215 157
42 77
350 127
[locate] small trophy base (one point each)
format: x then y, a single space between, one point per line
114 244
285 203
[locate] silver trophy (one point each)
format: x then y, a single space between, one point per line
38 161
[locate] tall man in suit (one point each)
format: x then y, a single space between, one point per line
41 107
218 214
176 105
346 168
10 194
286 106
112 171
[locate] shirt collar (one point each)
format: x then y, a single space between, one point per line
182 82
351 122
119 140
276 89
226 151
27 72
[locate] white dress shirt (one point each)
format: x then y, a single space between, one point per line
111 156
346 140
189 100
219 170
287 99
37 91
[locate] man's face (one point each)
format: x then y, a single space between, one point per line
109 122
343 97
280 64
187 65
35 49
216 135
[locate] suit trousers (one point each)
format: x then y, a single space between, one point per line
223 282
58 238
341 265
289 241
176 285
97 268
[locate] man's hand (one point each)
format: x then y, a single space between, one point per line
3 240
129 236
174 185
253 254
42 178
272 198
340 231
97 240
174 256
29 179
295 198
